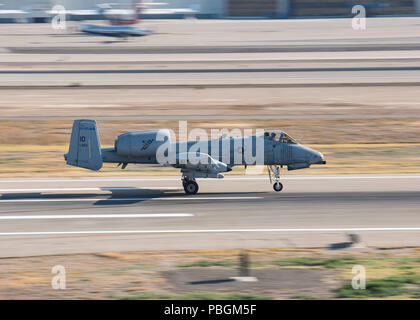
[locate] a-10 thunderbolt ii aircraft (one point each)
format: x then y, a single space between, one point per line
273 148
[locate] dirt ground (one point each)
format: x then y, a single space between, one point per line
271 282
281 274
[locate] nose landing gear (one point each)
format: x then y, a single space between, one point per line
275 170
190 186
277 186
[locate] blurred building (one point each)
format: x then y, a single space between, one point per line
243 8
343 7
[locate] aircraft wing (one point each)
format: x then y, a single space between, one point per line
117 31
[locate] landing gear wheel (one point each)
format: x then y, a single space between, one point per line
277 187
190 187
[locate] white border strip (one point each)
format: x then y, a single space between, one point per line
127 199
97 216
105 189
204 231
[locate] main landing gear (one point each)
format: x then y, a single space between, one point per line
190 186
275 170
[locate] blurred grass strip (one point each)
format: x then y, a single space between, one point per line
193 296
26 160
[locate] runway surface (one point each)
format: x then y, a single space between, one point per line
203 77
66 215
55 216
216 52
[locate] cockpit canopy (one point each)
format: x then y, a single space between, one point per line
279 136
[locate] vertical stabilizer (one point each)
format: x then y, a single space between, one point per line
85 147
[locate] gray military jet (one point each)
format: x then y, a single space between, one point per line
196 159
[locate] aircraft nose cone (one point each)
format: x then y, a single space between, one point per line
318 158
229 169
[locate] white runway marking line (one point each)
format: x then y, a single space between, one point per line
98 216
127 199
205 231
91 189
305 177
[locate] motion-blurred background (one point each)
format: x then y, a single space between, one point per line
240 8
297 65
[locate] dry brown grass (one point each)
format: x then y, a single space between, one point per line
350 146
308 131
48 160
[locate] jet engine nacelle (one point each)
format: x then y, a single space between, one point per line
142 143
